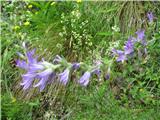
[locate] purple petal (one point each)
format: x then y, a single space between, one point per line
150 16
128 48
121 56
64 76
84 80
51 77
42 83
114 51
75 66
45 73
22 64
140 34
28 84
28 75
97 72
35 67
30 57
120 52
107 76
27 80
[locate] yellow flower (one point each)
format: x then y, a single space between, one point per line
30 6
20 34
13 99
16 27
27 23
53 3
141 90
79 1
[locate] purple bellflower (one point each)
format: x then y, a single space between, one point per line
42 83
150 16
36 67
30 59
44 77
84 80
129 47
114 52
141 36
43 71
121 56
37 72
75 66
27 80
97 72
64 76
107 76
22 64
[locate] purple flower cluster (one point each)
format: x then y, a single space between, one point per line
40 73
122 55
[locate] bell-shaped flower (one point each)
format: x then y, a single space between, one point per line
97 72
64 76
121 56
107 76
141 37
44 78
150 16
45 72
36 67
27 80
84 80
22 64
30 58
129 47
114 52
42 83
75 66
140 34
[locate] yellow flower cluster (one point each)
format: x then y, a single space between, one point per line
79 1
30 6
27 23
53 3
16 27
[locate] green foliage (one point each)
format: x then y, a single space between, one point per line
13 109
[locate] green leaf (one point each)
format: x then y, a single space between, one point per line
105 33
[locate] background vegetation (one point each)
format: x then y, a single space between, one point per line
81 31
